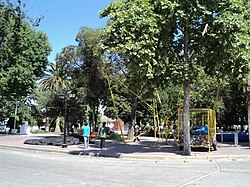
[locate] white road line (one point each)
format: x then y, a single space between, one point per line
204 176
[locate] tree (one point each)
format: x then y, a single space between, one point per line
92 72
23 53
133 33
121 97
174 40
57 80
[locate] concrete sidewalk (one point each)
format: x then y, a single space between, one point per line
148 147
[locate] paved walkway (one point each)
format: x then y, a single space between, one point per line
146 148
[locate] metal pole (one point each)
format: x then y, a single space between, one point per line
236 138
64 145
14 131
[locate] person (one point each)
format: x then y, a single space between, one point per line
137 132
86 133
102 135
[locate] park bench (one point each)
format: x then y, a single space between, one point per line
92 137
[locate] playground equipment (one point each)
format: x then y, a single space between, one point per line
202 128
203 131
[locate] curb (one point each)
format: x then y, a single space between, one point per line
32 149
180 157
129 156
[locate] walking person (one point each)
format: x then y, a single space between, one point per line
102 135
86 133
137 132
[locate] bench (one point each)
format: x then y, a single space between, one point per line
92 137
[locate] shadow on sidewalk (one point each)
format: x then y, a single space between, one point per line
118 148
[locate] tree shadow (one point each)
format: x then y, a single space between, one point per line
117 148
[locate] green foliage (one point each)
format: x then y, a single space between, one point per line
23 52
150 35
121 98
234 102
91 63
115 136
23 57
171 99
78 69
180 41
239 25
133 32
55 78
90 76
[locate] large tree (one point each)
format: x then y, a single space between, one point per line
23 53
174 40
55 78
133 32
56 82
91 72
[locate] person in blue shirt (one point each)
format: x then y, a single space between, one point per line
86 133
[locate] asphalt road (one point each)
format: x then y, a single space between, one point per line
31 168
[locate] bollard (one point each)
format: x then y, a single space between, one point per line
236 139
221 137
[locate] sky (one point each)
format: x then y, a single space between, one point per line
63 19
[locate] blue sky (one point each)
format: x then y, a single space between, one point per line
63 18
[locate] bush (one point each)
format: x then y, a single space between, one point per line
38 132
115 136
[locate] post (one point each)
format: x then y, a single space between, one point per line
236 140
14 131
64 145
65 96
221 136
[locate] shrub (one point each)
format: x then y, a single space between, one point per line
115 136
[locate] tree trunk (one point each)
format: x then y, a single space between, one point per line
186 125
15 115
47 124
246 90
248 106
133 118
186 140
93 116
57 128
248 111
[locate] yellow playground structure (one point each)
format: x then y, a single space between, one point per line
202 128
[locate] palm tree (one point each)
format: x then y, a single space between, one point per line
55 79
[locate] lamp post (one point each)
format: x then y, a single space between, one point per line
64 97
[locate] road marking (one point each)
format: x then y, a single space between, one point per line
204 176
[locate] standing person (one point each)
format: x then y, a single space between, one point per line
137 132
86 133
102 135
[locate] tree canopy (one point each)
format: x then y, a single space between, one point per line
23 52
176 40
23 58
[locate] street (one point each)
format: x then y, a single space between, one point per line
34 168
